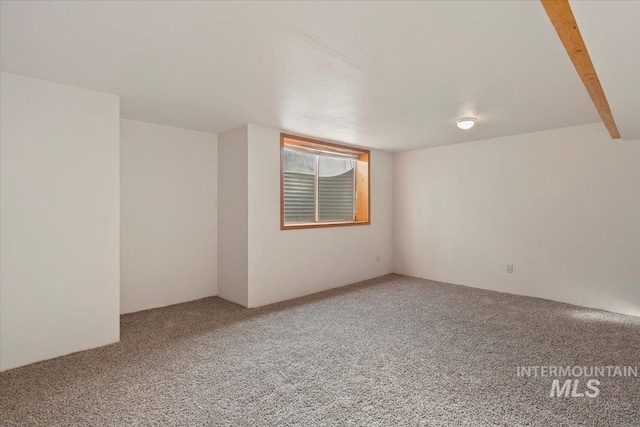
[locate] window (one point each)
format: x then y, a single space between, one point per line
322 184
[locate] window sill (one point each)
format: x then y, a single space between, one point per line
301 225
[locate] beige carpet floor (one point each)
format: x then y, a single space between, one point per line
390 351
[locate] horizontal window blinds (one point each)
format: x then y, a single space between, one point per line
317 187
299 197
335 197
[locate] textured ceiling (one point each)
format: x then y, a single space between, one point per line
388 75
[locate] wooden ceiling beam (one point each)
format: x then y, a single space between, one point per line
561 16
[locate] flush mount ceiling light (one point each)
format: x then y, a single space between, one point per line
466 122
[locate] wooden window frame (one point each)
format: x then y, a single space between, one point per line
362 174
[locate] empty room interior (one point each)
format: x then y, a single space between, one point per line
320 213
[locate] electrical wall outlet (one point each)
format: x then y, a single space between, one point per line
378 258
510 268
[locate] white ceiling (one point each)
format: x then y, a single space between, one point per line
388 75
611 32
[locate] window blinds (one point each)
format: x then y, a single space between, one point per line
317 187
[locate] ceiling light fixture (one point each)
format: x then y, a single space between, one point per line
466 122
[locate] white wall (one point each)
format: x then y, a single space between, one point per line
563 206
285 264
233 216
168 215
59 241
